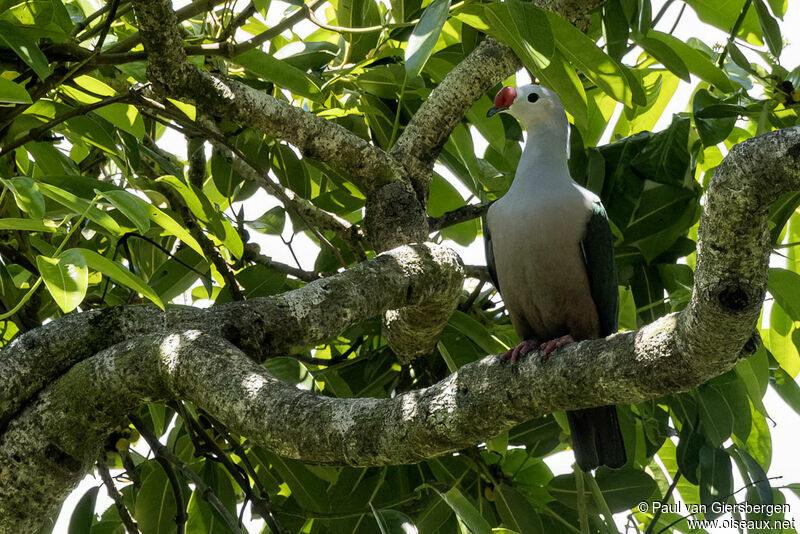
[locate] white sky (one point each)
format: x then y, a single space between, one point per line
785 434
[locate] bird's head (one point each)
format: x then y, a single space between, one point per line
532 105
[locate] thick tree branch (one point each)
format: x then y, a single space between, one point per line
48 445
316 138
261 327
489 64
424 136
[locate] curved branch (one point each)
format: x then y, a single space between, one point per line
489 64
409 276
317 138
50 444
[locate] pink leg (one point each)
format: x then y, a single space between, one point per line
520 350
549 346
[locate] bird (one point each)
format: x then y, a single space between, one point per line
550 253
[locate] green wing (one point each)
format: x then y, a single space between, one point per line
487 247
598 253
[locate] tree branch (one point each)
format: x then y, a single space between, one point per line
316 137
405 277
47 446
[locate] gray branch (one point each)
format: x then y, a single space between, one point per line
49 444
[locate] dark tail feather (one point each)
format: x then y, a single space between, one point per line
596 438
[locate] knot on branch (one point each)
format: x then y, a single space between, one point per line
395 217
413 331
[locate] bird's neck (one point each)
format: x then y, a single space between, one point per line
543 162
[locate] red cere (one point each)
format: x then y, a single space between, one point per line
505 97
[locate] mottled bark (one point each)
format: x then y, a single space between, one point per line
261 327
50 443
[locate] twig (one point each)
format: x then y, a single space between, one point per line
263 175
734 31
107 26
165 456
166 459
459 215
664 500
479 272
124 515
252 252
34 133
208 247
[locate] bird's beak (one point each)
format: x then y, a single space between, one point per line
502 101
495 110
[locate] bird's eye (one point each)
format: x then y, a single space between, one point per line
533 97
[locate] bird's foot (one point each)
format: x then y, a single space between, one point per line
549 346
520 350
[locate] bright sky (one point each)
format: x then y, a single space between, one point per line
785 434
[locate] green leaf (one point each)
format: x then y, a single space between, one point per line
393 522
133 207
784 286
624 488
621 488
465 510
665 158
716 478
593 62
272 221
28 225
713 129
280 73
615 29
155 504
533 28
787 388
307 489
697 62
83 515
665 55
13 93
80 205
756 474
27 195
687 454
515 510
125 117
477 333
173 227
769 28
780 340
25 47
716 414
754 374
116 271
724 16
66 277
424 36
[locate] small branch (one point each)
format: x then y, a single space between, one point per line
459 215
166 459
237 21
667 495
252 253
35 133
78 28
122 510
107 26
479 272
423 138
736 26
